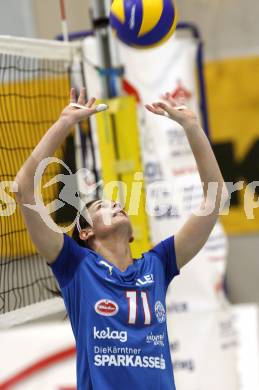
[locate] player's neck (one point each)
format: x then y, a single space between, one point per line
116 252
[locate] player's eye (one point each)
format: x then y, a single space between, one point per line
103 205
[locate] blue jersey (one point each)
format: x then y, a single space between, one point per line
118 318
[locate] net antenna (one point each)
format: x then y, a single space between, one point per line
64 24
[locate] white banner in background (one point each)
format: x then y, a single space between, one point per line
246 325
203 347
202 337
199 342
168 160
172 68
45 354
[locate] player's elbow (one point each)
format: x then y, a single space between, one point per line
23 190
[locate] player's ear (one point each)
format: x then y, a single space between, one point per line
131 239
86 234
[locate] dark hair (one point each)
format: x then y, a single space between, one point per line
75 235
83 223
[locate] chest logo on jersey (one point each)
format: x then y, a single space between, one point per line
157 339
106 307
160 312
110 267
110 334
147 279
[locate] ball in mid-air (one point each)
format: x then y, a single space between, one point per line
143 23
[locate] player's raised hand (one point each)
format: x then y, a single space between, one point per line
169 108
80 109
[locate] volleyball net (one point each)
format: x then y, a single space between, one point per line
35 78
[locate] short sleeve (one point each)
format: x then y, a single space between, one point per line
165 250
68 260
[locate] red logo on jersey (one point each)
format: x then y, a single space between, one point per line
105 307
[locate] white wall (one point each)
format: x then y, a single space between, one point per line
243 269
17 18
47 16
41 18
227 26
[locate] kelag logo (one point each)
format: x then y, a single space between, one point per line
109 334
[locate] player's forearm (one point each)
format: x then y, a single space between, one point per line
47 147
52 140
208 167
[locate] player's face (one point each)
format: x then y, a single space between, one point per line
109 216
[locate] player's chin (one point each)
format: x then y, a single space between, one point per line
121 215
121 220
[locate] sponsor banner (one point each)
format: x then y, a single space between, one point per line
246 324
200 342
172 180
204 350
200 286
173 186
38 357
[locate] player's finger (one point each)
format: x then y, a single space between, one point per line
92 111
154 109
90 102
72 95
181 108
81 99
167 109
97 109
163 106
158 109
150 108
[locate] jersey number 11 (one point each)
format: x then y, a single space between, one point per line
133 307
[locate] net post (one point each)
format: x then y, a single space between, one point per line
107 48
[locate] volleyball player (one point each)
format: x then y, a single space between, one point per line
116 304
